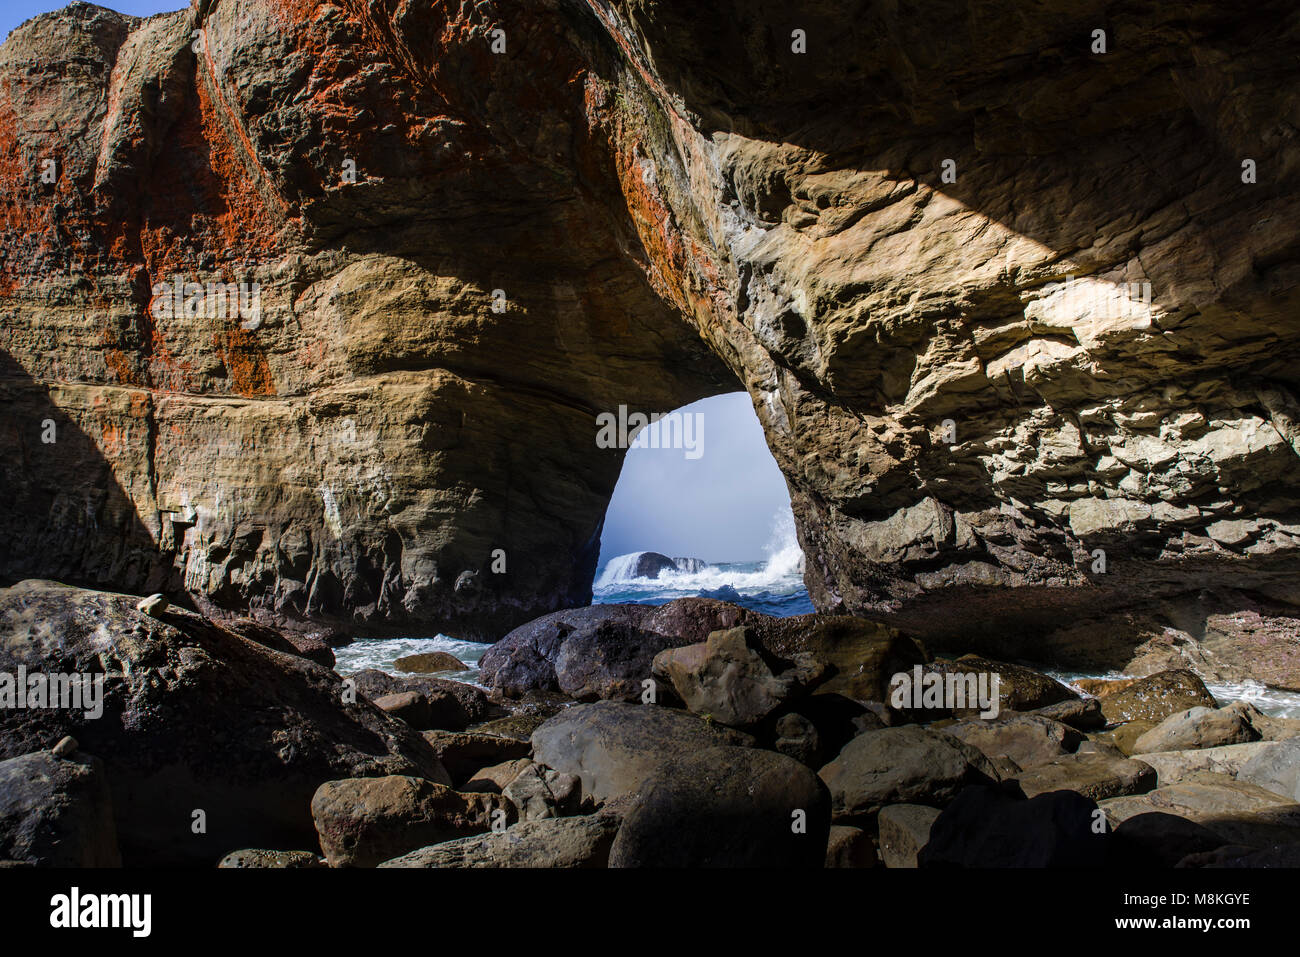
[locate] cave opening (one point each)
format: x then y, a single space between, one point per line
701 509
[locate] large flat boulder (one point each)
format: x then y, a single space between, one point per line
904 765
1237 811
1199 727
365 821
1027 739
726 807
195 719
1096 776
613 747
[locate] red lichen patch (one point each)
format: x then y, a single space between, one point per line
242 221
249 373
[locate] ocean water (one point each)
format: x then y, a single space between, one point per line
773 585
1271 701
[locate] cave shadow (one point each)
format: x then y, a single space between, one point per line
65 516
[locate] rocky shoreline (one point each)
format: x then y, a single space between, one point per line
693 734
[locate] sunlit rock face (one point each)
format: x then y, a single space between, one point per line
1021 333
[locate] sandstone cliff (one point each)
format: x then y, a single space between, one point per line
1000 301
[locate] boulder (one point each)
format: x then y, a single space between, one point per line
731 679
692 620
997 827
1198 727
364 821
849 847
1277 769
1237 811
1095 776
311 647
195 717
464 752
903 830
1019 688
411 706
904 765
524 660
1174 766
57 811
454 705
862 655
613 747
494 778
1156 697
562 842
1084 714
608 661
796 737
538 792
837 719
274 860
1027 739
726 807
1160 839
430 662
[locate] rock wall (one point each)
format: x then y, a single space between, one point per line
1000 301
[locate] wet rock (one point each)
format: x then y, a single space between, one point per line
614 747
1156 697
56 811
905 765
726 807
1019 688
429 662
364 821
